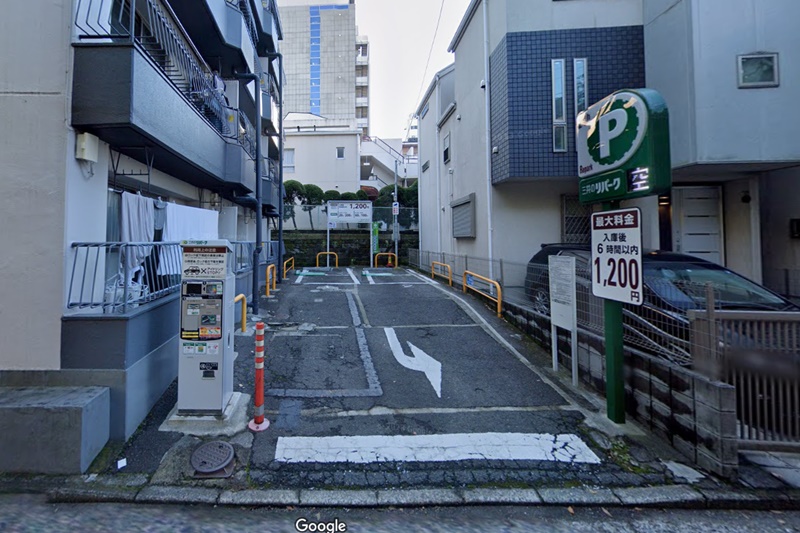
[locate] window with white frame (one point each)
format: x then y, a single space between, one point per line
758 70
288 160
581 91
559 106
446 153
340 152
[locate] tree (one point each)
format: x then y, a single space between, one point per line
331 195
295 194
350 196
362 195
314 198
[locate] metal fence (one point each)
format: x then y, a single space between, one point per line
758 352
687 323
116 277
315 217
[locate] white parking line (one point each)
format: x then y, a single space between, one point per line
353 276
434 448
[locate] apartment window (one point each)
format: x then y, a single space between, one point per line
758 70
581 98
464 217
447 148
340 152
559 106
288 160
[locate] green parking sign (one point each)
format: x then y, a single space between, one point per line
623 147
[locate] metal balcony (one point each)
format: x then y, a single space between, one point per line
224 31
150 91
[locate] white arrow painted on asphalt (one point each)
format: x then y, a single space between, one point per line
421 361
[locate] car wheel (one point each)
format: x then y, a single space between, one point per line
541 301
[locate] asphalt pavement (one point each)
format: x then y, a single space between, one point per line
385 388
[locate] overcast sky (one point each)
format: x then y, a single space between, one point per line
400 33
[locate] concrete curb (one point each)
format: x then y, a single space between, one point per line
670 496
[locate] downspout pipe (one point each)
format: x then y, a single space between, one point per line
279 266
259 237
438 96
487 102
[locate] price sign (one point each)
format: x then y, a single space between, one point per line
617 255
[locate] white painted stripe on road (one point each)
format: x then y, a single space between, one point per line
371 281
353 276
567 448
298 279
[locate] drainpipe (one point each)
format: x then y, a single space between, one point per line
257 249
488 135
437 95
279 266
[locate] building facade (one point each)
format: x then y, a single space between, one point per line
497 129
128 107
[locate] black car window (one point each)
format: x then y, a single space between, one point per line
684 285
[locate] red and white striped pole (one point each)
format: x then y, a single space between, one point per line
259 423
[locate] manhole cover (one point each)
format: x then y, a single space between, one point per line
212 456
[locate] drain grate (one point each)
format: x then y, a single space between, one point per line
213 459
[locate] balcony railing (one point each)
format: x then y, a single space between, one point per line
157 31
116 277
243 6
246 134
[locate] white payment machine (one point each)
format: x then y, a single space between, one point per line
205 346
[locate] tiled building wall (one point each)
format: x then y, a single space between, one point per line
521 93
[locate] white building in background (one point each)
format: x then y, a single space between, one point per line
727 69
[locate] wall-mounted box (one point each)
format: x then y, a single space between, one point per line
87 147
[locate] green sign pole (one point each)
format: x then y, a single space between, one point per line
623 153
615 375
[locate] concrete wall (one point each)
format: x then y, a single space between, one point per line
316 162
468 137
691 56
535 15
694 414
33 88
781 254
742 235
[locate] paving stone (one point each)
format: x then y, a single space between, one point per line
260 497
684 472
579 496
501 496
657 496
91 494
732 499
161 494
755 477
790 476
244 439
338 498
419 497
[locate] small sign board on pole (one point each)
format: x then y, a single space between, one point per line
617 255
563 307
395 208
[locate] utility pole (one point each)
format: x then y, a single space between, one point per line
395 229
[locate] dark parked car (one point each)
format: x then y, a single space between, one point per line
674 283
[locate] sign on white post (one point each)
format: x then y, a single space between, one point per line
563 307
617 255
395 208
349 212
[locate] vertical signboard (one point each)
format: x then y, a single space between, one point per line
563 308
617 255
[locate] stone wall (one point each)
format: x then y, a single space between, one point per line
696 415
352 247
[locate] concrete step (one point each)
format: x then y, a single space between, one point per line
52 430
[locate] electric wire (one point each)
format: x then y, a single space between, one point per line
430 52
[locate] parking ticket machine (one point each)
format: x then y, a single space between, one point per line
205 346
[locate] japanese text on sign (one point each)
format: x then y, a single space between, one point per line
352 212
617 255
